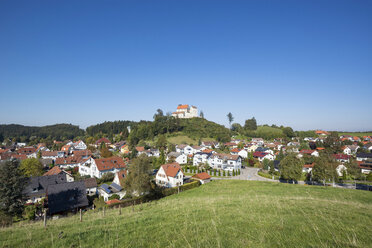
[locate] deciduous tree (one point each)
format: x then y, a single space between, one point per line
31 167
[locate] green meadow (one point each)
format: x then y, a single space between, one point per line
223 213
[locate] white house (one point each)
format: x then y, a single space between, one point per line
169 175
225 161
80 145
197 149
307 168
314 153
106 191
98 167
350 149
201 158
180 158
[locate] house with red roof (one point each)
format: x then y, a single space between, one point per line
57 171
103 140
203 177
169 175
98 167
314 153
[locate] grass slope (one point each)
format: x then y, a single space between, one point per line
225 213
358 134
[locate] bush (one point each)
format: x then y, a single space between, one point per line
108 177
5 220
369 177
29 212
114 196
224 174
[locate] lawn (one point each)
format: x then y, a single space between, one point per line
180 138
223 213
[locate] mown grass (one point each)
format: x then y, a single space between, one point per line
181 138
223 213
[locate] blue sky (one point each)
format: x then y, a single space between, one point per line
305 64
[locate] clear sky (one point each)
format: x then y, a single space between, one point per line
305 64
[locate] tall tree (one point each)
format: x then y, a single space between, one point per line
12 184
138 180
288 131
250 124
230 118
324 169
31 167
291 167
161 143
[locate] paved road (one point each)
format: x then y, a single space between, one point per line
249 173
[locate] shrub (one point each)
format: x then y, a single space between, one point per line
369 177
114 196
29 212
224 174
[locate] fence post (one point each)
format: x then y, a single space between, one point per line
104 211
119 209
81 216
45 219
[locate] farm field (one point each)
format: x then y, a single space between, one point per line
223 213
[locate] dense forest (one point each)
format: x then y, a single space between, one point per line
22 133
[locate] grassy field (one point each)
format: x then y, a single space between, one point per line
223 213
358 134
180 138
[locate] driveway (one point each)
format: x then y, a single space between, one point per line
249 173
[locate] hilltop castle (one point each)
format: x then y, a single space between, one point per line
185 111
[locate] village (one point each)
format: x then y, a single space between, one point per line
83 175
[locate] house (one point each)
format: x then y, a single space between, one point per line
29 151
343 158
210 144
363 156
119 177
98 167
67 149
365 166
106 191
350 149
186 149
57 171
68 162
140 150
307 168
314 153
106 141
177 157
36 187
52 154
82 153
80 145
152 152
225 161
263 155
251 147
201 157
203 177
169 175
66 196
258 141
91 186
231 145
185 111
196 149
124 149
322 133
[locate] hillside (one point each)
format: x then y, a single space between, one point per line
220 214
57 131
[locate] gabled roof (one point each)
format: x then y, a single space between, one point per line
54 171
202 176
306 151
66 196
308 165
110 163
104 140
82 153
49 153
90 183
140 148
68 160
174 154
185 106
172 169
236 150
340 156
226 156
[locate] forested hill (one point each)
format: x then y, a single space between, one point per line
25 133
162 125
